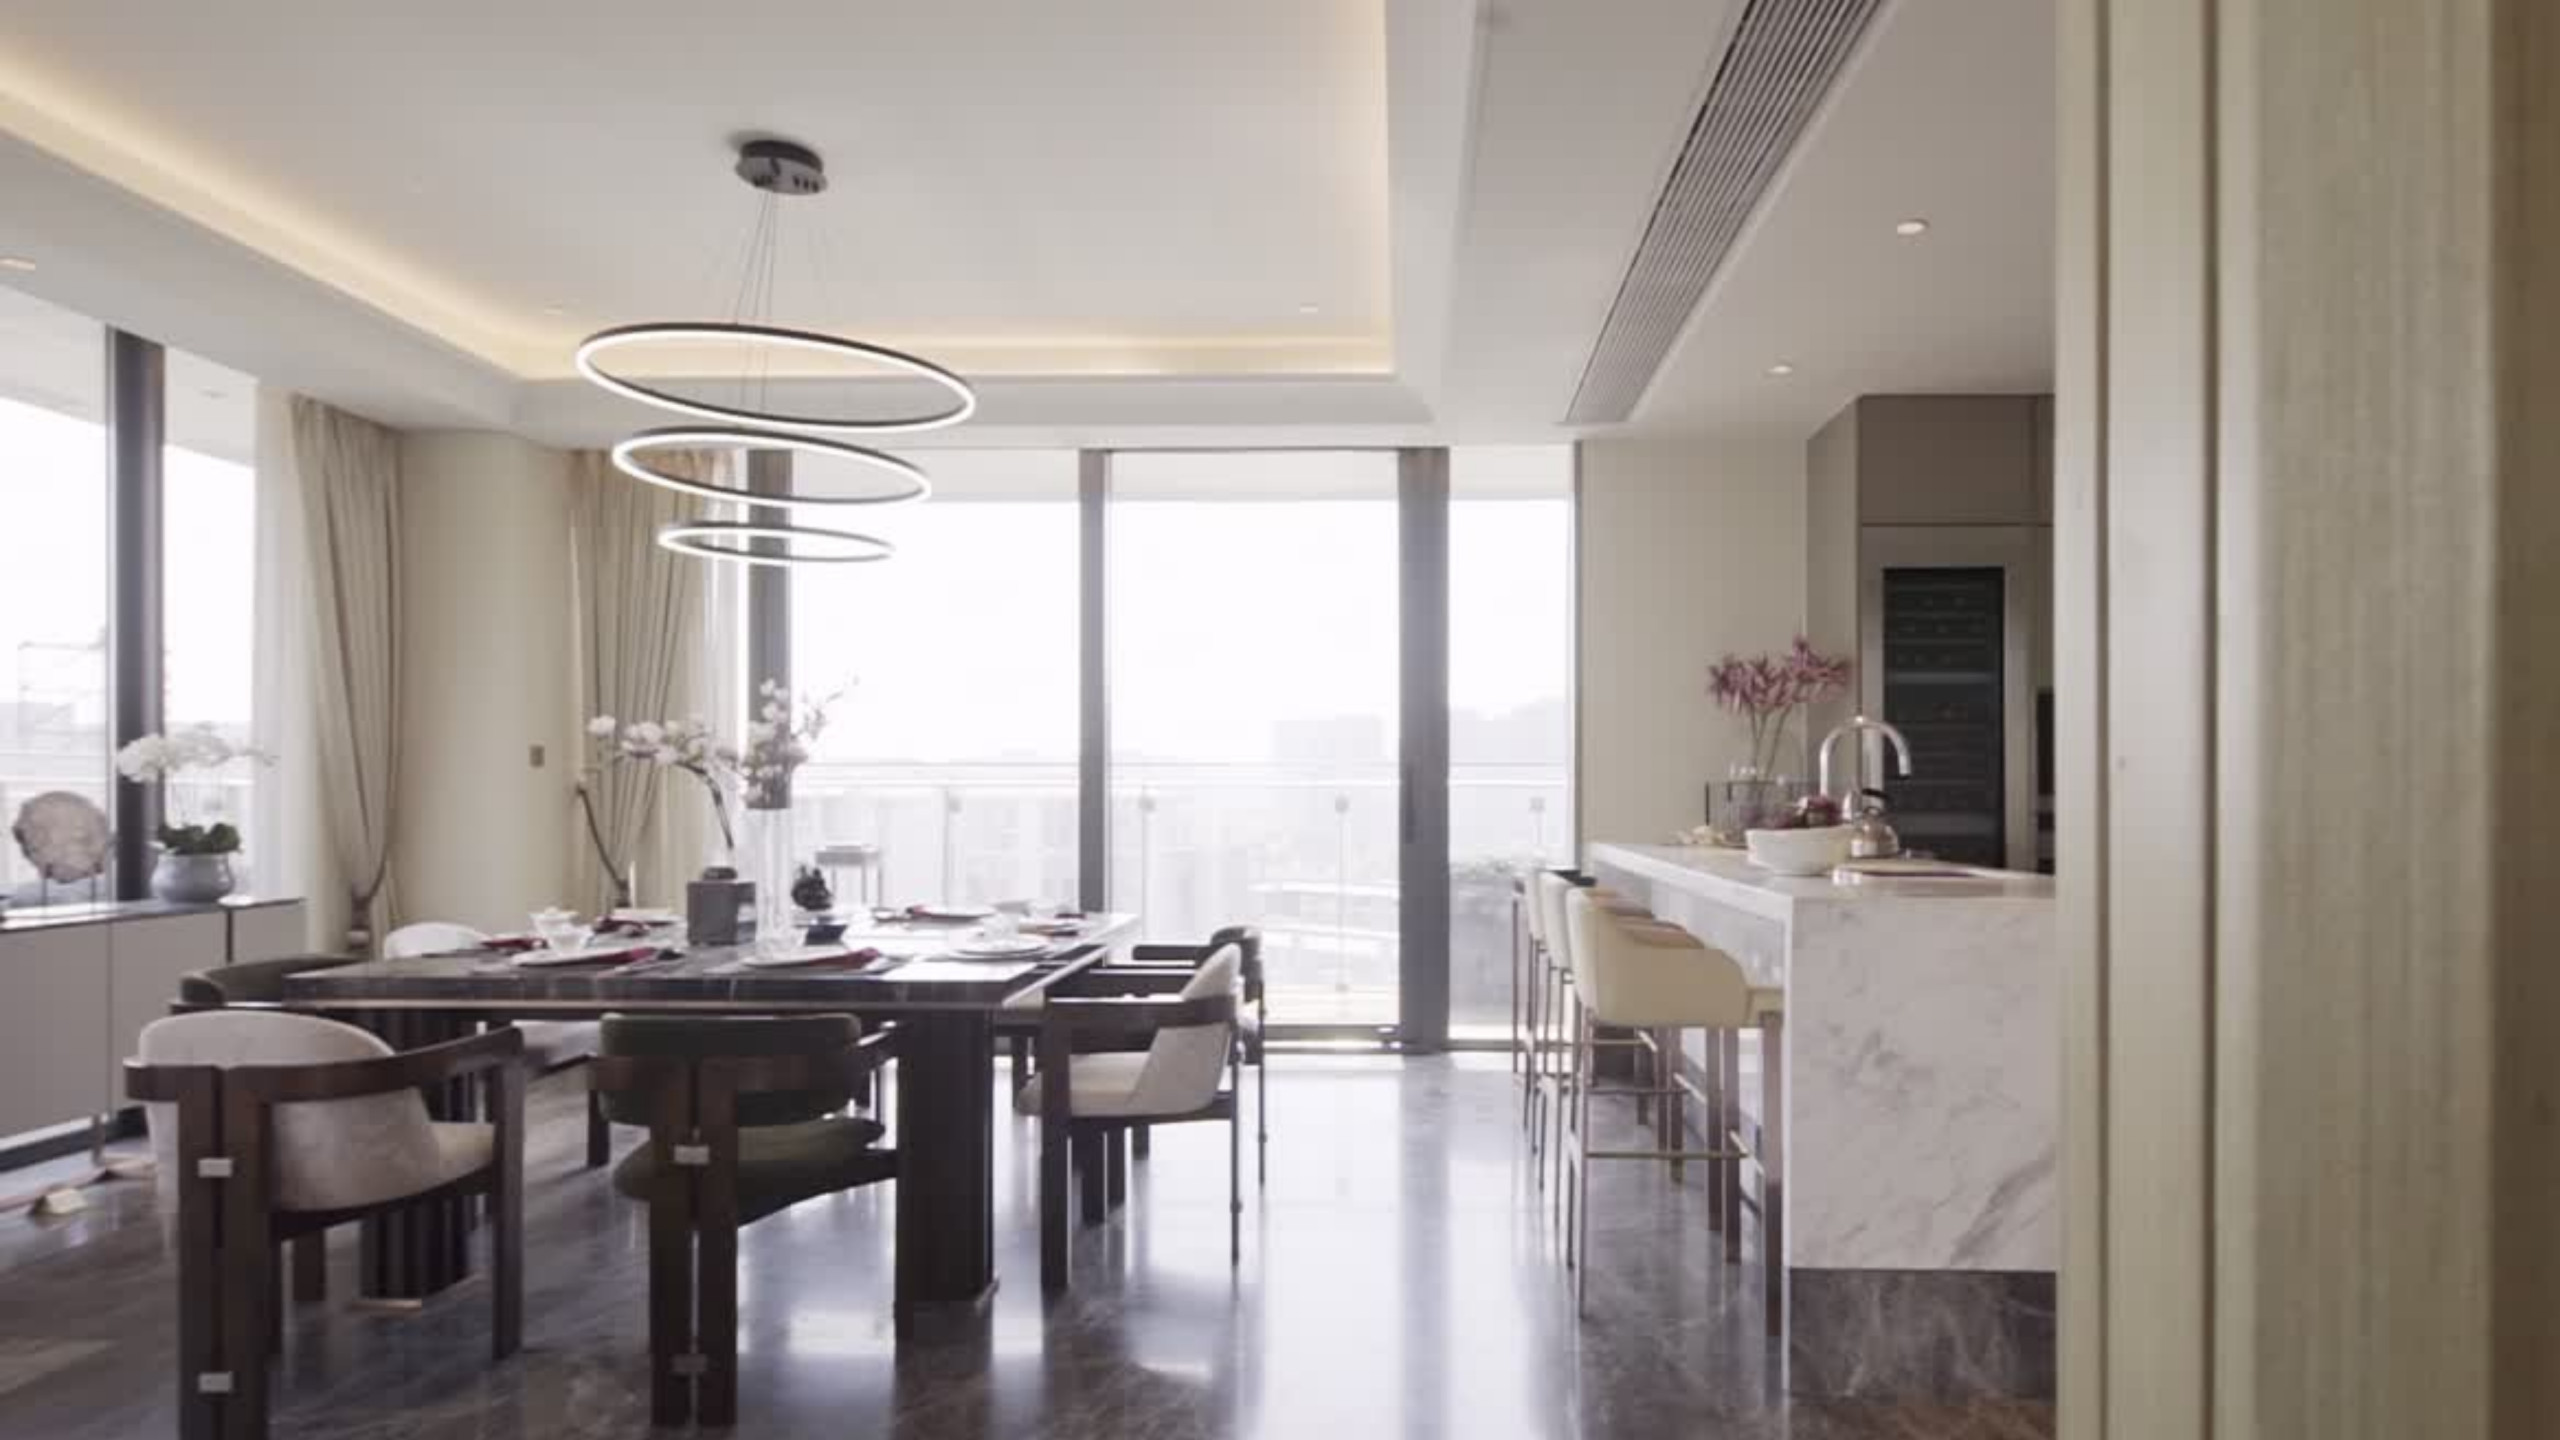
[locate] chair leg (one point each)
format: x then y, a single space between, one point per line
1090 1181
1115 1169
1053 1208
1582 1166
599 1132
1141 1141
1773 1172
715 1328
1262 1112
1729 1126
670 1302
1235 1190
1713 1041
1021 1048
1673 1129
311 1267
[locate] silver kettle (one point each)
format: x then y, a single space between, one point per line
1871 836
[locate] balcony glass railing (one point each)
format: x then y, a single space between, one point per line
1308 854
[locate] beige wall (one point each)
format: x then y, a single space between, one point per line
1686 550
484 837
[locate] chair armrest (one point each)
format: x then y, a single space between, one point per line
1135 1015
387 1075
1169 954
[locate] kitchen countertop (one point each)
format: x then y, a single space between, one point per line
1730 876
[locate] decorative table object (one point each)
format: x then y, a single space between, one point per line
1768 690
779 741
194 867
65 836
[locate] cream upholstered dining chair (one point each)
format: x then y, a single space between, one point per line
550 1046
267 1126
1189 1020
1654 977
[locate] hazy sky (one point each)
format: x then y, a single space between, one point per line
53 567
1230 620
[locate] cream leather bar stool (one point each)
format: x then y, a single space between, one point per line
1655 977
1554 1028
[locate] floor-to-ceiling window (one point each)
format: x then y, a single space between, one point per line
1253 700
952 745
1510 705
208 482
55 716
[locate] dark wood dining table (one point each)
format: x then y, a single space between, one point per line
944 1008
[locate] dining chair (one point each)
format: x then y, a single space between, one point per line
550 1046
266 1126
259 985
1189 1022
743 1123
1252 1030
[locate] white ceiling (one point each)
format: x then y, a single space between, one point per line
1115 214
1945 114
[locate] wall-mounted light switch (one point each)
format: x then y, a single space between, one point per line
537 757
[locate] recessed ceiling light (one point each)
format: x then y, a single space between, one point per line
1913 226
16 262
1782 368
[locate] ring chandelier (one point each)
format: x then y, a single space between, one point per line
712 540
778 168
631 456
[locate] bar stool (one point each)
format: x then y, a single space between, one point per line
1552 1030
1650 976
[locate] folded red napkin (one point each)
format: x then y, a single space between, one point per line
511 944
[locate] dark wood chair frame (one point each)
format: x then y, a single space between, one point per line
1255 1038
310 1252
230 1233
1091 1143
692 1103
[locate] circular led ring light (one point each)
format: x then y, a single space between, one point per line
699 538
622 337
630 456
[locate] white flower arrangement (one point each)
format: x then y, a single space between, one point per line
153 759
686 745
197 747
780 739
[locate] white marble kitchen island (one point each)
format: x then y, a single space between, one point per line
1921 1103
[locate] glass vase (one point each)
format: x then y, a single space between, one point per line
764 859
1749 800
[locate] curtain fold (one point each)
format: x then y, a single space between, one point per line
640 634
349 473
289 845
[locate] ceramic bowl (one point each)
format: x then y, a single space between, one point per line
1798 852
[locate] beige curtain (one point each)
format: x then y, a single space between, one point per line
639 618
350 480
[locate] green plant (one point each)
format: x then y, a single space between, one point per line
218 838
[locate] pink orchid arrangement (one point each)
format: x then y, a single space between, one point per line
1769 689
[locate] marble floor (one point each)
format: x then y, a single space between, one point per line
1399 1279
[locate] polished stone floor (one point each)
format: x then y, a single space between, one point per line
1399 1280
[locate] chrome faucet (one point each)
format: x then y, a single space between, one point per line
1861 725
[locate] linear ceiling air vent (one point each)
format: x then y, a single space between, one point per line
1782 60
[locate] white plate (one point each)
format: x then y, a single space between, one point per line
1000 947
646 917
952 912
796 955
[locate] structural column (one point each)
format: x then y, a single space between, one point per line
138 642
2309 484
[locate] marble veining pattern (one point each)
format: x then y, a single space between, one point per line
1922 1050
1400 1280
